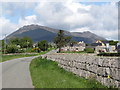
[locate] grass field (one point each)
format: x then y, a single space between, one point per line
10 57
47 74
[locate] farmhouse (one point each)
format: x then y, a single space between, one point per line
80 46
118 47
104 46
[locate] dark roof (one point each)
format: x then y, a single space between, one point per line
105 42
118 47
96 44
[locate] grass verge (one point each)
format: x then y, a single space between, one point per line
10 57
47 74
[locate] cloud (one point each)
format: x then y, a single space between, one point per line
16 8
6 27
72 16
110 35
28 20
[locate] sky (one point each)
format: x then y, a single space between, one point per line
100 18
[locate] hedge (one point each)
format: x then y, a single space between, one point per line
108 54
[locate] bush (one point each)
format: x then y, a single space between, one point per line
108 54
21 50
12 49
36 50
43 45
89 50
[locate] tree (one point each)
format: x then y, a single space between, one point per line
26 42
72 43
111 42
60 40
43 45
16 41
2 44
67 39
11 48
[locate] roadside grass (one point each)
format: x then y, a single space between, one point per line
47 74
9 57
14 56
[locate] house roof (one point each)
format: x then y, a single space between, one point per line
96 44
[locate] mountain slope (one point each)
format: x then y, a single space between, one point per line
38 33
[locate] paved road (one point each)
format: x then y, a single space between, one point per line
16 74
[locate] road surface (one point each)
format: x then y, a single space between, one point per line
16 74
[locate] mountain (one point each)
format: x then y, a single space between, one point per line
38 33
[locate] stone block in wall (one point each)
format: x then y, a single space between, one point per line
101 71
114 83
82 66
65 67
68 68
107 71
108 82
69 63
115 63
106 62
73 69
91 60
90 75
115 73
95 61
100 79
73 63
83 74
61 61
76 71
100 62
64 62
92 68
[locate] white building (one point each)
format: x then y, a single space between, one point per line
80 46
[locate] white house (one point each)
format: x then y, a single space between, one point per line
80 46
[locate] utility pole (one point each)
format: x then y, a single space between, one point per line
5 44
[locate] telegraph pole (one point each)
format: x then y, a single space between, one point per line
5 44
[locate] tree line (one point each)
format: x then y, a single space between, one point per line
19 45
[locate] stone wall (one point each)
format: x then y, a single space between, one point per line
74 48
104 69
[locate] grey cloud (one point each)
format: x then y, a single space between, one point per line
72 16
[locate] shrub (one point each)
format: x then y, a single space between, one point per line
89 50
12 49
43 45
108 54
21 50
35 50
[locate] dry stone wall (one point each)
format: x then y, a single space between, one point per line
104 69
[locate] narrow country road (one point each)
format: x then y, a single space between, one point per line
16 74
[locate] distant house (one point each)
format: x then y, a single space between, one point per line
80 46
103 46
34 45
118 47
100 43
